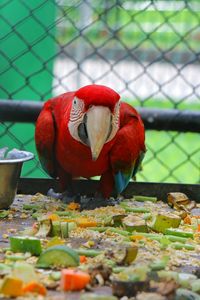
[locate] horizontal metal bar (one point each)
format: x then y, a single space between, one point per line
19 111
88 187
154 119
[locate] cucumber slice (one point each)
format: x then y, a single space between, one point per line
162 221
58 256
135 223
25 244
55 229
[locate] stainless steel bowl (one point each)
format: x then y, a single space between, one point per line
10 170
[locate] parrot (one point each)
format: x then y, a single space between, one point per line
90 132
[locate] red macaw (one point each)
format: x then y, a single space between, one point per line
88 133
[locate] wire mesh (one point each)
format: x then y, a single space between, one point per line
146 50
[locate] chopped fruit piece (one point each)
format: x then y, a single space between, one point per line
86 222
177 199
163 221
135 223
130 254
73 206
35 287
58 256
83 259
12 286
73 280
24 271
187 220
53 217
55 241
25 244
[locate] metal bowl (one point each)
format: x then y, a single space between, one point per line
10 170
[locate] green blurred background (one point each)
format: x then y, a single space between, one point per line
50 47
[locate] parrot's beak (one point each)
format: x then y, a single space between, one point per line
98 128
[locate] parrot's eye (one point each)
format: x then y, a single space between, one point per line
77 104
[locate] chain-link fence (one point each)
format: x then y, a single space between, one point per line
146 50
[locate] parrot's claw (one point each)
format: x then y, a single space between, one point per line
51 193
97 201
69 197
66 196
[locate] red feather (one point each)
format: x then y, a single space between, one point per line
64 157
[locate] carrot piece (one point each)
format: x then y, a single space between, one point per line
73 206
73 280
35 287
187 220
12 286
86 222
198 228
83 259
137 237
53 217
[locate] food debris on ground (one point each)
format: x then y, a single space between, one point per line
139 248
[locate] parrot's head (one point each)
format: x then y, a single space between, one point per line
94 117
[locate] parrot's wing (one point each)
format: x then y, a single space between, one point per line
45 139
129 149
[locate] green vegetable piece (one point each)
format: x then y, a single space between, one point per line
15 257
179 246
145 198
55 229
4 214
178 232
36 215
118 231
184 279
24 271
99 229
64 230
164 242
4 269
44 229
25 244
151 236
195 285
117 219
58 256
159 264
162 221
71 227
174 238
119 269
130 255
183 294
56 275
147 216
33 207
134 209
88 252
65 213
168 275
134 223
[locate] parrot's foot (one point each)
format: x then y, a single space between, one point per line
66 196
98 201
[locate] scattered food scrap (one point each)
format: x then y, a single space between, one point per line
139 248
